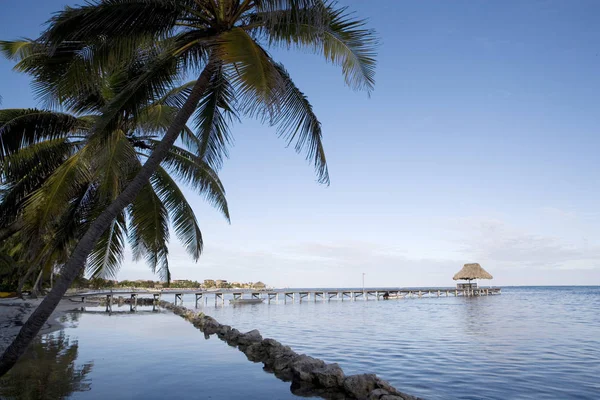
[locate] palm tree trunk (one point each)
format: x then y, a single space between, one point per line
34 290
23 280
79 256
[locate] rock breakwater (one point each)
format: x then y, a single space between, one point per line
309 376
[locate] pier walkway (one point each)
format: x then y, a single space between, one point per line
291 295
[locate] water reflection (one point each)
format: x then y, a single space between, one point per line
47 371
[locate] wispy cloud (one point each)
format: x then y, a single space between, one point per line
497 242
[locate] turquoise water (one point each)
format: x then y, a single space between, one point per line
529 342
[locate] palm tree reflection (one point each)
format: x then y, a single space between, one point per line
47 371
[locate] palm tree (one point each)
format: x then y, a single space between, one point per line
56 178
222 40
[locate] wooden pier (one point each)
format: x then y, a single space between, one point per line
290 295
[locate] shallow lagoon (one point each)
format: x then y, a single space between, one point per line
142 356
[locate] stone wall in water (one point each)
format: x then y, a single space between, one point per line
309 376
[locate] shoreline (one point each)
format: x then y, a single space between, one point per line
15 311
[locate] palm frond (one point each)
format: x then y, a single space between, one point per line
297 122
181 213
116 20
154 119
213 115
158 74
148 231
23 127
249 65
197 174
177 96
273 8
46 204
108 254
115 162
17 50
342 39
43 157
64 75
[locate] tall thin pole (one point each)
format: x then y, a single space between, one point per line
363 283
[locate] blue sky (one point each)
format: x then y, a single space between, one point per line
479 144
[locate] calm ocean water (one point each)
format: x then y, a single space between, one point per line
528 343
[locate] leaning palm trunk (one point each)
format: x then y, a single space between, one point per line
85 246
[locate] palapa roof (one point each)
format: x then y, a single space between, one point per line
472 271
259 284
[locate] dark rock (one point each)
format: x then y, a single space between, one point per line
303 367
210 325
249 338
360 386
393 392
308 389
280 362
223 331
198 321
232 337
377 394
280 358
329 376
271 343
256 352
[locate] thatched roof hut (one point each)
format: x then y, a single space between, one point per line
472 271
259 285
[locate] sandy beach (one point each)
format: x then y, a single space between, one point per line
14 312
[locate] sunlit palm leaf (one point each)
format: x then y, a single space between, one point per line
249 65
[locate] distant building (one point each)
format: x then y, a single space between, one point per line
259 285
209 283
221 282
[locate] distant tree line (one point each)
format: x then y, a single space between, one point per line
100 283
